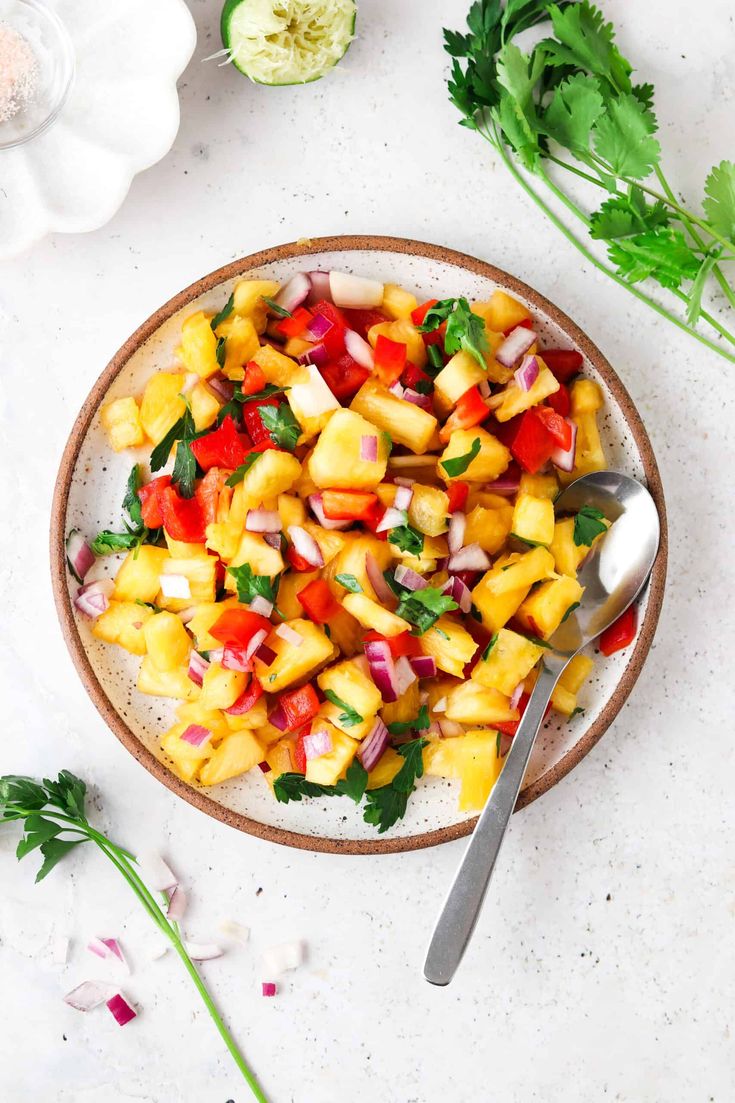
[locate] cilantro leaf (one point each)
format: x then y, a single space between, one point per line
276 307
586 42
574 109
694 306
457 465
386 805
283 427
626 215
490 645
160 454
419 723
622 138
250 585
407 539
185 469
224 312
570 610
719 204
131 501
422 608
588 524
220 351
289 787
663 254
349 716
349 582
108 543
465 330
240 472
354 783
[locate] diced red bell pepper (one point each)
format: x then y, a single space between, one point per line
317 601
390 359
372 519
299 706
297 324
254 379
334 339
183 518
402 644
621 632
457 493
150 501
419 314
298 753
532 443
414 375
560 401
220 448
510 727
363 320
208 492
236 627
347 505
525 323
562 363
344 377
247 698
296 561
253 423
470 410
559 428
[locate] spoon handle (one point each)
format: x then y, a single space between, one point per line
461 908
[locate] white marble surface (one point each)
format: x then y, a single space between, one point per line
602 967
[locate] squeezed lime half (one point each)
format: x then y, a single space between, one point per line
287 41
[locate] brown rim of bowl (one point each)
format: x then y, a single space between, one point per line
62 597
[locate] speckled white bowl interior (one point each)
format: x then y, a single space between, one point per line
94 499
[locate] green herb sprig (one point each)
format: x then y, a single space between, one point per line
465 330
108 542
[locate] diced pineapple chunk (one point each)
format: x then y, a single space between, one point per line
512 400
272 474
327 769
194 712
496 609
262 558
472 757
451 645
589 454
205 405
352 685
543 611
457 376
293 663
236 754
508 661
122 623
207 614
576 673
185 756
241 344
567 554
397 302
224 539
533 519
407 424
291 510
179 549
338 453
167 641
138 577
221 687
405 708
200 571
279 369
291 584
489 463
162 404
502 312
563 701
121 419
280 758
198 345
330 542
473 703
520 570
333 713
586 396
347 633
540 486
427 511
404 332
372 615
488 527
166 683
248 298
386 769
255 717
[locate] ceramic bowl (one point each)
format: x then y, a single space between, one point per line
90 488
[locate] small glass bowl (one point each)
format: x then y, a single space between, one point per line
49 40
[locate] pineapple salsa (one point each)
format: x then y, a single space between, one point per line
347 575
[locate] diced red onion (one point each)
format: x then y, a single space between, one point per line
289 634
354 291
255 642
516 696
115 950
235 930
403 480
268 988
469 558
177 902
484 388
359 349
527 374
273 540
261 605
373 745
306 546
264 767
278 959
175 586
403 497
317 743
423 401
392 519
317 355
155 871
203 951
294 293
312 398
412 580
440 705
507 485
122 1011
405 675
237 658
459 592
433 731
319 287
319 326
369 448
455 536
79 555
450 728
382 668
93 598
424 666
196 735
278 718
383 591
316 505
518 342
397 389
563 458
265 655
223 388
89 994
216 654
238 708
263 520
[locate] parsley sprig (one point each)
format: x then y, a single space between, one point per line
570 102
53 817
108 542
250 585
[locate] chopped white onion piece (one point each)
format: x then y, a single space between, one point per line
203 951
313 398
279 959
233 929
155 871
261 605
359 349
175 586
306 546
89 994
177 902
289 634
355 291
392 519
403 497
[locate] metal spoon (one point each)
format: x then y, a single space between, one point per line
612 575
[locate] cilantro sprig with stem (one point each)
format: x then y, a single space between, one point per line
108 542
568 108
53 817
465 330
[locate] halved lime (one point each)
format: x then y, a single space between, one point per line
287 41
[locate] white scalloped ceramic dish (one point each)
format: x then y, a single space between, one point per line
120 116
91 484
